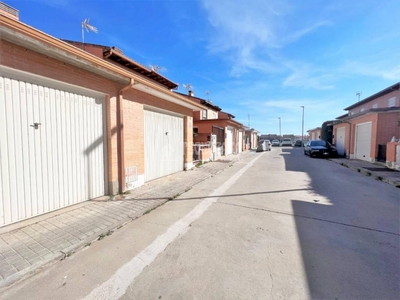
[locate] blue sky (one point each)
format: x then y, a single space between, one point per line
257 59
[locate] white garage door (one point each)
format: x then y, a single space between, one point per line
163 144
340 138
229 141
363 141
51 149
240 142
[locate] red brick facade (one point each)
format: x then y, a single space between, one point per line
133 105
382 110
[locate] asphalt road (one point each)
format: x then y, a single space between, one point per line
278 225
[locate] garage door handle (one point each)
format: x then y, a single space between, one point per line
36 125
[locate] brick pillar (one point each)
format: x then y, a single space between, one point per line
112 145
188 142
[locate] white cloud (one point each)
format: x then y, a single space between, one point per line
304 78
383 69
249 33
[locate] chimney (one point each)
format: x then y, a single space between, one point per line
9 11
191 94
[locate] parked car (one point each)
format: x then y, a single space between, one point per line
264 145
287 142
275 143
320 148
298 143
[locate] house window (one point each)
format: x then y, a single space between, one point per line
204 114
362 109
392 102
195 131
375 105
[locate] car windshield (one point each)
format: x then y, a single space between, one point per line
318 143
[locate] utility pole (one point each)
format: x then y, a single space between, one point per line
280 135
302 127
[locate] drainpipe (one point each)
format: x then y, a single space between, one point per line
121 140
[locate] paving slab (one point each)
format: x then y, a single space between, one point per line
376 170
29 246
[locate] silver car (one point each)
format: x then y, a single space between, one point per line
275 143
264 145
287 142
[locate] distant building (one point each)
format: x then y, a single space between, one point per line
315 133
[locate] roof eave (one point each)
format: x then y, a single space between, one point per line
28 37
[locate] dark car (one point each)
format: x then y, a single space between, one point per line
298 143
320 148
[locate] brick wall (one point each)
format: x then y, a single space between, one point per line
134 135
391 151
387 127
381 102
17 57
188 140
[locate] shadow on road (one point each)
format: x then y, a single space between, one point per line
351 247
219 196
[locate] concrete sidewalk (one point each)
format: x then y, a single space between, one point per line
29 245
376 170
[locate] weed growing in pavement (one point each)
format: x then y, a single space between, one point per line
68 254
368 173
103 235
378 177
174 197
199 164
88 244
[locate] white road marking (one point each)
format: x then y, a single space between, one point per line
116 286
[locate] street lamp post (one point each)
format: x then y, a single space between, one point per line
302 127
280 135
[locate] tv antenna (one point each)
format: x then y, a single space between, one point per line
88 27
157 68
359 95
188 87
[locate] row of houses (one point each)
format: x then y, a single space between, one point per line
370 129
82 121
